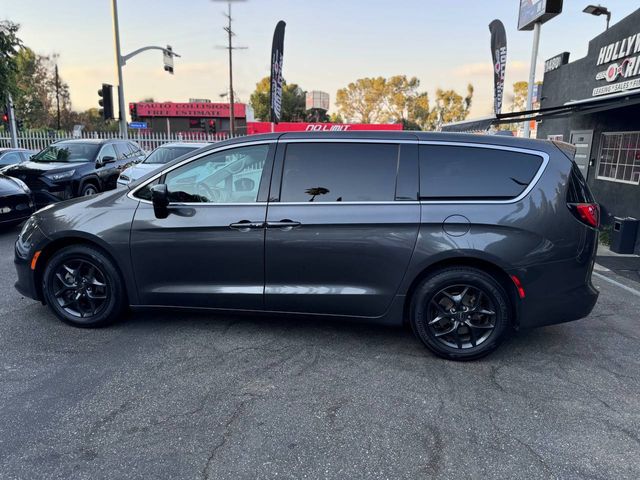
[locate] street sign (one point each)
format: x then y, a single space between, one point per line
138 125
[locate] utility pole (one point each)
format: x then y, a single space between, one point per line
55 59
231 48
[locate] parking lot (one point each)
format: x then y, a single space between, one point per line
184 395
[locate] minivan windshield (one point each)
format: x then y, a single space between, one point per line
68 152
162 155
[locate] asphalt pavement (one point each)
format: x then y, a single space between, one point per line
198 396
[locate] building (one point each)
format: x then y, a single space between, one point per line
189 117
594 103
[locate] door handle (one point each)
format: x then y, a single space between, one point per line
246 225
284 224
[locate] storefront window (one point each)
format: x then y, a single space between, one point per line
619 158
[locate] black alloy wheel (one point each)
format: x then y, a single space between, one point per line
460 313
80 288
83 287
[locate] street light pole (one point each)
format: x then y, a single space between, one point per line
116 34
532 75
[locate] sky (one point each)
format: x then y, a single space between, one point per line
328 43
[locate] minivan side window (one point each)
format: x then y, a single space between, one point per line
450 172
339 172
228 176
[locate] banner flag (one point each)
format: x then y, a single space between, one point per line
275 93
499 53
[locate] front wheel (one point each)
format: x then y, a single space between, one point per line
460 313
88 189
83 288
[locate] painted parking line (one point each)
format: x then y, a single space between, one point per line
617 284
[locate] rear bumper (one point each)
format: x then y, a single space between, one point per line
552 309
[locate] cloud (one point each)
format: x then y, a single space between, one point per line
485 68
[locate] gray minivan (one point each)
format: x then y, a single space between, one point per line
463 237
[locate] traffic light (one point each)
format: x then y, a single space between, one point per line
20 124
167 58
203 124
133 111
106 101
212 126
5 120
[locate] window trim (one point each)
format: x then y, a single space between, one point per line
610 179
223 148
523 194
279 152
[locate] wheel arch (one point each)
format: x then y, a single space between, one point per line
61 242
92 179
482 264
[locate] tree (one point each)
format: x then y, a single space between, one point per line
400 95
336 118
363 101
375 100
9 47
293 101
449 107
92 121
35 96
520 91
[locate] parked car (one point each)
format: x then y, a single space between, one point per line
16 201
160 156
75 168
464 237
12 156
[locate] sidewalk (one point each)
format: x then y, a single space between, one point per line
627 266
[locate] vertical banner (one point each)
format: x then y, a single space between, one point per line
275 93
499 53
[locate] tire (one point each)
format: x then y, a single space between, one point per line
459 324
88 189
83 287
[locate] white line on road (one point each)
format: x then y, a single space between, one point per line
618 284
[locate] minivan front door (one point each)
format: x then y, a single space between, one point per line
339 236
209 251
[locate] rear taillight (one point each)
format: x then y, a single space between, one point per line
587 213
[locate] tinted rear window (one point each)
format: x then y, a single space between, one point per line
339 172
578 190
450 172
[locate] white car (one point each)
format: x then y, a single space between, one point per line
160 156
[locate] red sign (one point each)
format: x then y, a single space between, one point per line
171 109
265 127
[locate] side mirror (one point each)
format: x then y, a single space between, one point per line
160 200
106 159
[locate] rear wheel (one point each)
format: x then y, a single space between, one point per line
83 288
460 313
